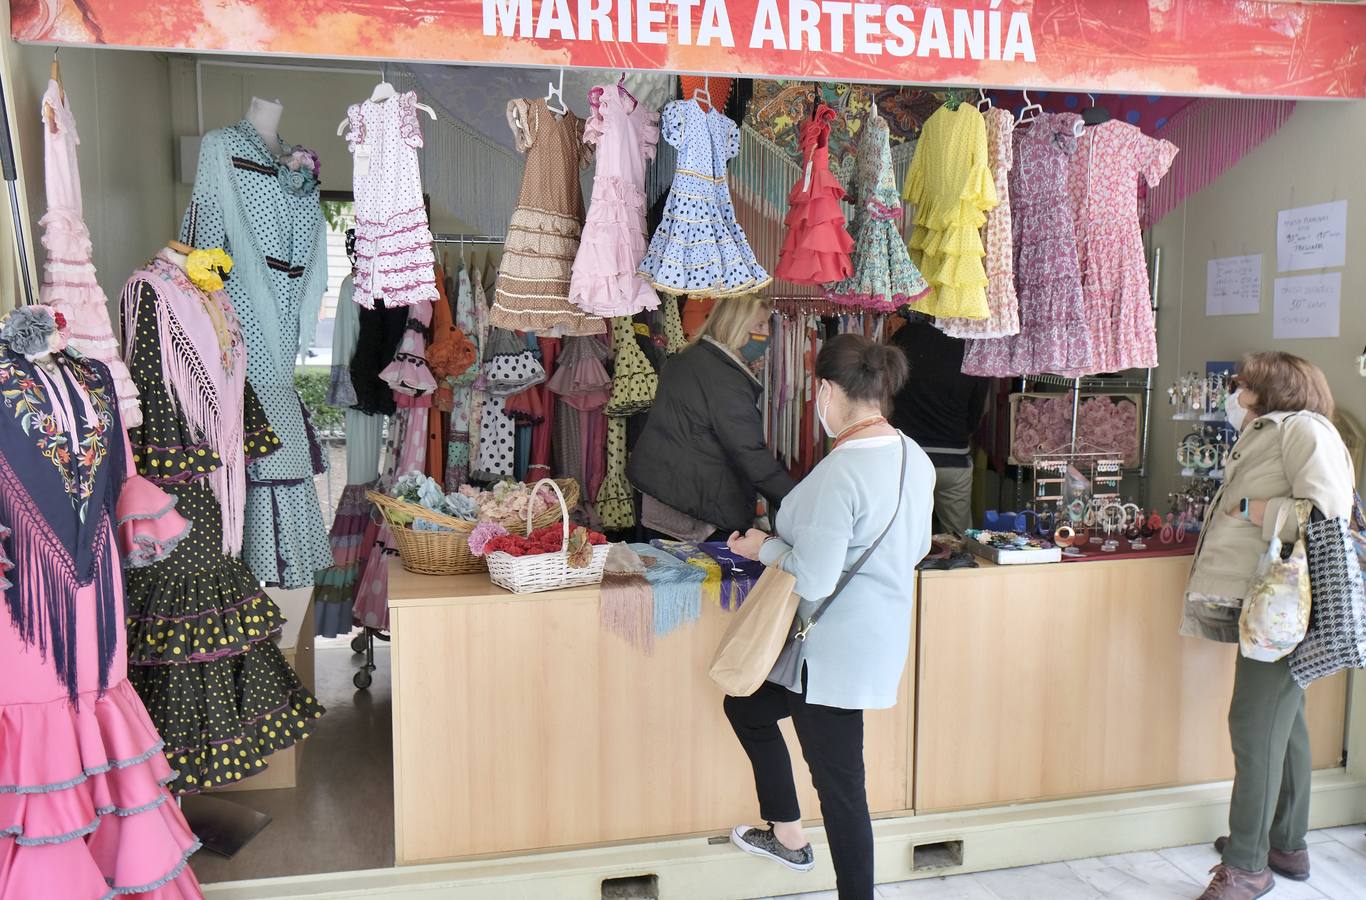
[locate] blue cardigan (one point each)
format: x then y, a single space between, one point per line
855 655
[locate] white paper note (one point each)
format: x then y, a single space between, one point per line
1311 237
1308 306
1233 286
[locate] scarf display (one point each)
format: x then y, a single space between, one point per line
693 555
203 362
627 603
677 588
738 574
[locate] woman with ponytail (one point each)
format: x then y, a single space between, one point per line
847 518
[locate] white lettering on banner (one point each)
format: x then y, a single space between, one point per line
590 15
715 25
822 26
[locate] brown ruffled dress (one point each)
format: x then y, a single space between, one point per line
543 234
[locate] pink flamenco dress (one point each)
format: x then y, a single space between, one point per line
84 809
69 284
605 280
816 249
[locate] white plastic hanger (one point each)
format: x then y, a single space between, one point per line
554 97
985 102
1030 112
382 92
703 94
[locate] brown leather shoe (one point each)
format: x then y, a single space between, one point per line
1236 884
1292 864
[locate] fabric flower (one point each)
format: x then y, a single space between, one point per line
482 534
204 268
302 158
580 550
30 331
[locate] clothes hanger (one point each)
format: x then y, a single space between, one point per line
985 102
382 92
703 94
1030 112
625 92
1095 115
554 97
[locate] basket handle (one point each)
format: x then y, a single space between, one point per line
564 511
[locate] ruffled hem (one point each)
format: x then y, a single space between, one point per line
175 463
1004 320
149 527
174 627
261 443
74 771
546 322
287 542
221 720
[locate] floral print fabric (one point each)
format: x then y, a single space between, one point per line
1053 335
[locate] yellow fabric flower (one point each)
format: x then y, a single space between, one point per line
204 266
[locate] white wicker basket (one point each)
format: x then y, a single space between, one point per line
545 571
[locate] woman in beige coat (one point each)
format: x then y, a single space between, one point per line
1287 449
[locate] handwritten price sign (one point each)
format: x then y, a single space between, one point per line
1311 237
1308 306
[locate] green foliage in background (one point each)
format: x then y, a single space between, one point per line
312 387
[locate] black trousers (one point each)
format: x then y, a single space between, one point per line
832 742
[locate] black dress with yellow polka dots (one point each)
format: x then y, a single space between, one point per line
200 652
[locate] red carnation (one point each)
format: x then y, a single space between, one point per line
59 319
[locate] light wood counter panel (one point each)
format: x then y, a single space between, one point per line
1057 680
520 724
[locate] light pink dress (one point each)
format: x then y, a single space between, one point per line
69 284
1102 185
604 280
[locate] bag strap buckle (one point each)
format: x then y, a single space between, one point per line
800 636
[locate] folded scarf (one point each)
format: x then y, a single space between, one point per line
677 588
693 555
737 573
627 605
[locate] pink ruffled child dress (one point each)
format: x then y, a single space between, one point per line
604 280
69 284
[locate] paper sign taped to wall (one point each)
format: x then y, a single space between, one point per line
1308 306
1311 237
1233 286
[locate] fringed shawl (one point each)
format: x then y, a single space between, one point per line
677 588
626 606
61 466
693 555
203 363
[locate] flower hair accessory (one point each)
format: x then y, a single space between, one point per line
35 331
204 268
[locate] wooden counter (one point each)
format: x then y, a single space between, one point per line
1057 680
520 724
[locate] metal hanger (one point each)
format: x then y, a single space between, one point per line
383 92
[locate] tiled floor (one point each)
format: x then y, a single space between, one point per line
1338 858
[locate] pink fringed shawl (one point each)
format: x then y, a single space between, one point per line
205 375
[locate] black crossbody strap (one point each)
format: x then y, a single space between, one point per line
863 558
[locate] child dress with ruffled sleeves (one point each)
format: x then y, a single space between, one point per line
605 281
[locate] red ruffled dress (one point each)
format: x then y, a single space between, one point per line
817 247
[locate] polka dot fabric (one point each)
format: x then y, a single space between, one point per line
699 248
199 626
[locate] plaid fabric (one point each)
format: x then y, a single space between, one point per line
1337 619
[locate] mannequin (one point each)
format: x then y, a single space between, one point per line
264 116
179 253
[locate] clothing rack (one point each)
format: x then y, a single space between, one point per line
364 642
474 239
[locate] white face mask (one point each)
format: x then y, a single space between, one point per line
1237 412
821 408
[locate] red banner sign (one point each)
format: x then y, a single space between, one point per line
1204 47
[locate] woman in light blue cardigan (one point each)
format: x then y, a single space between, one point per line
853 658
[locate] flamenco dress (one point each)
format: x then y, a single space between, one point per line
200 628
84 810
817 245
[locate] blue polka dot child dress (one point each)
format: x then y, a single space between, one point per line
699 248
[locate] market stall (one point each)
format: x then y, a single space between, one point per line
1031 684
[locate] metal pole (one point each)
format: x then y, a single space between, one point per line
1076 410
1148 383
11 175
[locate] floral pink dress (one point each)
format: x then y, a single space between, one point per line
69 284
1103 187
1053 335
604 280
1004 317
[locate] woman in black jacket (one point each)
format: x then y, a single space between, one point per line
701 460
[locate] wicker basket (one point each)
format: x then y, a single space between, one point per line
429 552
568 489
545 571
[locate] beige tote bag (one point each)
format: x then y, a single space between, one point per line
758 630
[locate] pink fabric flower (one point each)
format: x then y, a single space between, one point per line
482 534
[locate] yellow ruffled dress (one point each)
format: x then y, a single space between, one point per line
951 186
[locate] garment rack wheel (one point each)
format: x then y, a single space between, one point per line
364 678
